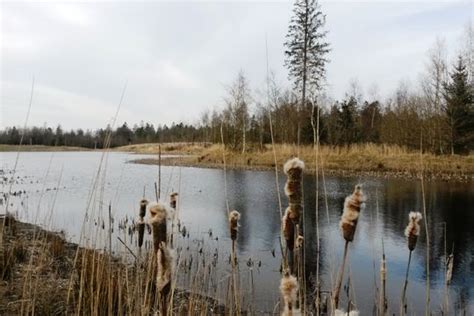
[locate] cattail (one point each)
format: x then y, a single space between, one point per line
289 290
293 168
141 221
234 217
173 199
413 229
383 281
165 261
158 213
288 228
164 273
352 207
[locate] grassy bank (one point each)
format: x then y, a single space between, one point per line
378 160
43 274
39 148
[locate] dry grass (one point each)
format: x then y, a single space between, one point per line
349 160
39 148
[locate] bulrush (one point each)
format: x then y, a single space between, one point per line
173 199
141 221
234 217
293 168
352 207
289 290
288 228
165 265
413 229
158 213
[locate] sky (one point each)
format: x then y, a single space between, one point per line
175 59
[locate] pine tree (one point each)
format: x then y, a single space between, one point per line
306 47
459 109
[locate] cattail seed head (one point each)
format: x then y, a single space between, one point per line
288 290
288 228
173 199
293 168
352 207
158 213
143 204
165 260
412 231
234 217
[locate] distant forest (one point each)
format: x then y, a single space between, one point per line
443 126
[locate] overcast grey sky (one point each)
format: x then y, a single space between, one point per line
179 56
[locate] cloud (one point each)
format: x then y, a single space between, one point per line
179 56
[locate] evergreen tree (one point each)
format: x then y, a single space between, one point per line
306 47
459 109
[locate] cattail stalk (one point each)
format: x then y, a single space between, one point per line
165 267
352 207
293 168
234 218
412 231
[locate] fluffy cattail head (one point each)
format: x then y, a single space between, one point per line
288 228
293 168
352 207
143 204
412 231
234 217
288 290
158 213
165 260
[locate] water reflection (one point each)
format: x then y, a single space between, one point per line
203 207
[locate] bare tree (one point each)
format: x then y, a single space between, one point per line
432 84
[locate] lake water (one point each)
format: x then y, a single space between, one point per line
67 178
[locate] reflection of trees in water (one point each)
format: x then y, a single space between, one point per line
445 203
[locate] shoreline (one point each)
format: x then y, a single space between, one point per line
191 162
381 161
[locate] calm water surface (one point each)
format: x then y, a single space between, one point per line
67 179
